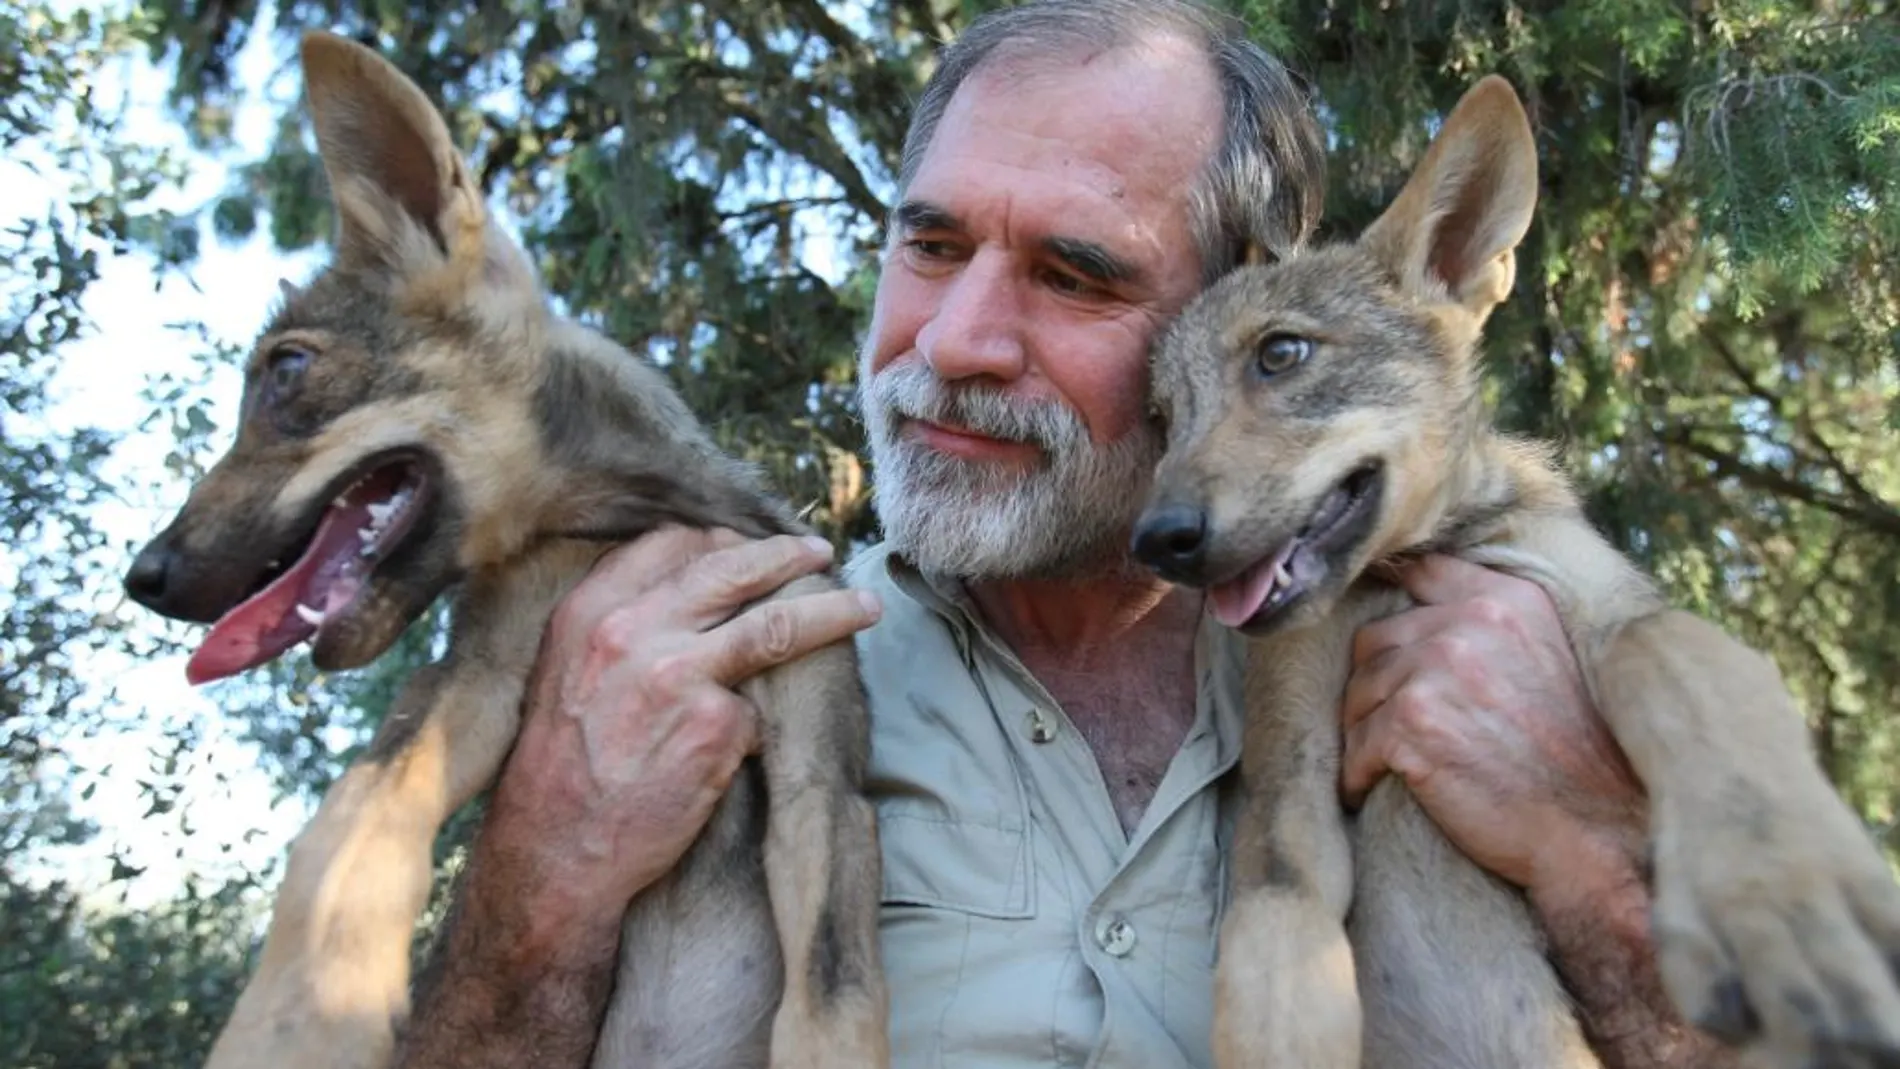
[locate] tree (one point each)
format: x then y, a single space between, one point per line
78 986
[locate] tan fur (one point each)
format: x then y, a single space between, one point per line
1776 920
548 444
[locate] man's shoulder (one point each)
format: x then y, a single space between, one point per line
869 568
906 607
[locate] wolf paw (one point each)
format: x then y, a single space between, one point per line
1781 935
1284 991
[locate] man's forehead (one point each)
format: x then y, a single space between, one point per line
1101 152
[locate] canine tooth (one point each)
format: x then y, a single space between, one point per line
310 616
379 512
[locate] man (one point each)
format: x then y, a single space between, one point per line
1055 729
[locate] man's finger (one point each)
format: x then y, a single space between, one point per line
785 629
717 584
1373 680
1398 631
627 571
1363 763
1437 579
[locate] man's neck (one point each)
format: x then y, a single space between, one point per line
1068 620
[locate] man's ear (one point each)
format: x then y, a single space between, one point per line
1450 234
403 196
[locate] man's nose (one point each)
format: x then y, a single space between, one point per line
976 330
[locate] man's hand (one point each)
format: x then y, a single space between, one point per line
1475 698
631 735
634 731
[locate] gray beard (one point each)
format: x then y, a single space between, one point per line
1067 518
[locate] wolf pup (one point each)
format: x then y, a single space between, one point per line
1323 415
419 418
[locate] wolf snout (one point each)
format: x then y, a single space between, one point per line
150 579
1172 539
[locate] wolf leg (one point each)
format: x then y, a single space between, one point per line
1284 987
1777 923
821 859
700 971
332 981
1451 962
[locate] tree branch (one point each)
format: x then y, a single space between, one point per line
1876 517
1830 457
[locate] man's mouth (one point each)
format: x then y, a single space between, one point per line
360 526
1270 587
963 442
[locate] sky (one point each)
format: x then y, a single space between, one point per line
230 290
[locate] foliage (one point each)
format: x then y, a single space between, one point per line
80 984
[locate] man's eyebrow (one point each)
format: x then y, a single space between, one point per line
923 215
1091 261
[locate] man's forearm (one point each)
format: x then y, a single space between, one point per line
499 993
1601 944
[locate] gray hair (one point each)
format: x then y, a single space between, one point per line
1264 185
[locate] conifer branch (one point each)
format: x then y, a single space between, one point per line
1878 518
1830 456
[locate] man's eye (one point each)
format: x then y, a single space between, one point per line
929 249
285 370
1071 285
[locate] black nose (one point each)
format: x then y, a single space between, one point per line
1172 539
148 580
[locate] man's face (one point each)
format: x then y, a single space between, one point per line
1042 242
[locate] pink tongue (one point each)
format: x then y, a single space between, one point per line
325 578
1237 600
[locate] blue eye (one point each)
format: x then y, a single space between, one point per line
1282 352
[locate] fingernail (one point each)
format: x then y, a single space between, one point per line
871 603
819 545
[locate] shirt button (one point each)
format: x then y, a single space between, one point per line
1116 935
1041 728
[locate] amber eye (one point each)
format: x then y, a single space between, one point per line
285 370
1282 352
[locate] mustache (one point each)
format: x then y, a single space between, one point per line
912 391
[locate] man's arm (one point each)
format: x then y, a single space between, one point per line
631 735
503 990
1598 926
1475 698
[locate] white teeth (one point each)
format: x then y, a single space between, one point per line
380 512
366 534
310 616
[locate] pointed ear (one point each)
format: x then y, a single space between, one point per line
1450 235
403 196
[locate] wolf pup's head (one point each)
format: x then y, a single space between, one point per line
385 420
1315 406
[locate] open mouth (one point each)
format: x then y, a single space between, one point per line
363 523
1272 586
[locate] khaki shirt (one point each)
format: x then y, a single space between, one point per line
1020 926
